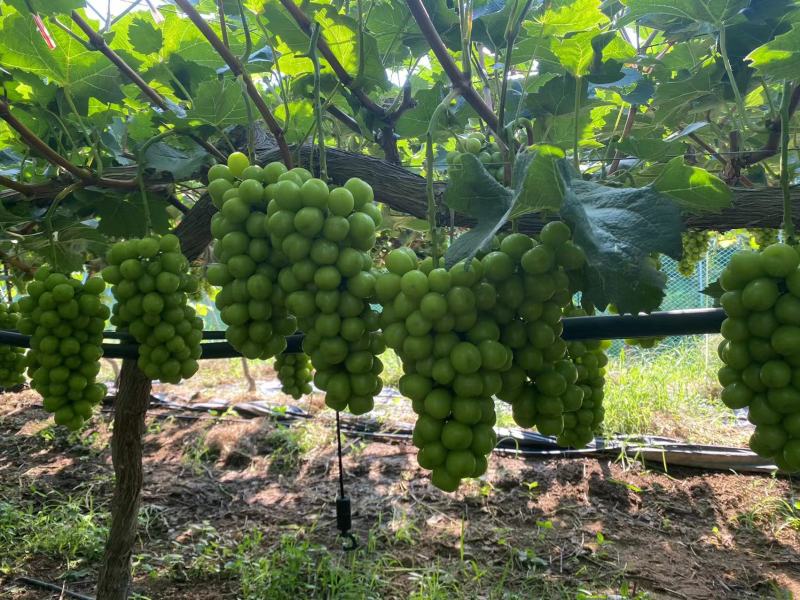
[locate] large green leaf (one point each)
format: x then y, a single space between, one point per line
144 37
538 181
689 95
47 7
219 102
82 72
780 57
570 16
694 189
180 164
472 191
123 216
708 11
653 149
619 228
576 52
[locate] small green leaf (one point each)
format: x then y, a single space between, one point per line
144 37
472 191
780 57
538 181
219 102
694 189
714 290
619 228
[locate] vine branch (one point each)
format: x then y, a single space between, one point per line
460 82
239 71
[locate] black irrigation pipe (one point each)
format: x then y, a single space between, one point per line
606 327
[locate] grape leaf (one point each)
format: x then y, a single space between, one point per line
538 181
619 228
648 148
219 102
46 7
694 189
144 37
472 191
575 53
780 57
123 216
180 164
707 11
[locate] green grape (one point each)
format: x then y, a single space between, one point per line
761 237
583 403
760 348
12 359
695 247
322 237
65 319
150 281
295 374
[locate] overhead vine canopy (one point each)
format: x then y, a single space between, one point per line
641 110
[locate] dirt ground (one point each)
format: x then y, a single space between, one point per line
564 527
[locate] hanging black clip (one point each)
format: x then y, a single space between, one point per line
344 522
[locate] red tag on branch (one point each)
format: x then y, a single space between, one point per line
48 39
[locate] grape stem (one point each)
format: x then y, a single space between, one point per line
432 127
788 223
312 54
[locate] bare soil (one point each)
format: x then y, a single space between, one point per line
576 523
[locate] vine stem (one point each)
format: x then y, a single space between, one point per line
431 197
238 70
788 223
576 131
723 50
312 54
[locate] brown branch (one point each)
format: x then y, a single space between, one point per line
15 262
708 148
626 131
407 103
341 73
772 145
173 201
97 42
344 118
35 143
458 79
23 188
239 71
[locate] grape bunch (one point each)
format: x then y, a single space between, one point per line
150 280
695 247
761 349
487 152
65 319
761 237
440 323
542 382
325 237
294 373
12 359
583 413
251 303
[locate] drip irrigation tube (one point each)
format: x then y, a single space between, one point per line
606 327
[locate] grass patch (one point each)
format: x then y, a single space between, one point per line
62 528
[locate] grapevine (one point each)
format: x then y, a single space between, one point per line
761 349
12 359
150 281
65 319
295 374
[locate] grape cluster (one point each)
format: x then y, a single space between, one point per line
294 373
695 247
65 319
488 153
761 349
761 237
12 359
542 381
582 419
251 303
438 321
325 237
150 279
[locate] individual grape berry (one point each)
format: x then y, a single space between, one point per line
65 319
12 358
150 281
295 374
